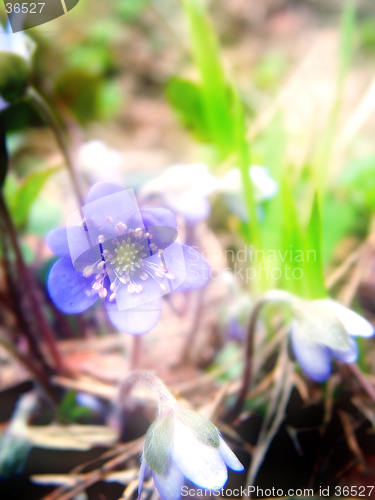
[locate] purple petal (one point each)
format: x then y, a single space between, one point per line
70 291
235 331
349 355
3 104
158 217
195 268
229 457
150 291
169 485
143 471
104 214
102 189
135 321
315 359
173 260
57 241
353 322
162 236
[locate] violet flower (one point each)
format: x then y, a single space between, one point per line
129 257
323 329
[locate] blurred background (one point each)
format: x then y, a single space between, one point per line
138 87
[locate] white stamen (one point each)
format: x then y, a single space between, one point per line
103 293
105 253
109 219
170 276
143 276
131 288
137 288
88 271
97 286
101 238
112 297
112 287
163 287
101 264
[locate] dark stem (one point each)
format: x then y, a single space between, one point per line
272 296
365 384
29 287
48 116
39 375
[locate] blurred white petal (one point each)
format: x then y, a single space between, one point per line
169 486
200 463
353 322
229 457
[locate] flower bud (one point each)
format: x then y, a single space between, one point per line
14 76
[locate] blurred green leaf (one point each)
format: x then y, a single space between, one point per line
3 152
358 178
20 201
70 410
314 266
339 218
44 215
130 10
214 86
347 30
269 71
366 34
292 240
109 99
186 98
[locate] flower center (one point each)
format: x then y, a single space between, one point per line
128 256
124 262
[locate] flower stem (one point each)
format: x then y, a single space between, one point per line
165 398
27 290
39 375
136 352
366 386
48 116
271 296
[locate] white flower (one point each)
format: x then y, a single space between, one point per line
265 186
184 190
323 329
182 443
99 162
16 43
